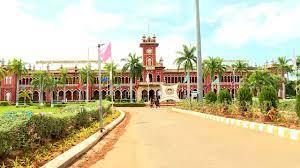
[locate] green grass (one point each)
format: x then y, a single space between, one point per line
46 109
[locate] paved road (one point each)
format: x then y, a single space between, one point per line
160 138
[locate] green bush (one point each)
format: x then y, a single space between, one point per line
244 97
210 97
4 103
224 97
268 98
298 105
24 131
129 104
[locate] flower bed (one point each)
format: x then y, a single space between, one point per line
23 133
286 118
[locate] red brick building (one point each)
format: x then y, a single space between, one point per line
158 74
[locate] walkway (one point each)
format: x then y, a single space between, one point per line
160 138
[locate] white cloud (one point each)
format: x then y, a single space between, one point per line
66 37
266 23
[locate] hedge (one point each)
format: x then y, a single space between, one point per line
22 132
129 104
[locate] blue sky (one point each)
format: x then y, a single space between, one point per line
232 29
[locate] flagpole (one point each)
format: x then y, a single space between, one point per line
87 79
111 83
100 90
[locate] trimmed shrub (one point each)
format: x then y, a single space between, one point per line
298 105
224 97
244 97
210 97
268 98
24 131
4 103
129 104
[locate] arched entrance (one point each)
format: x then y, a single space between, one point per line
125 94
96 95
145 95
60 95
117 95
69 95
103 94
35 96
151 94
75 95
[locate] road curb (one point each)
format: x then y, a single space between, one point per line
282 132
66 158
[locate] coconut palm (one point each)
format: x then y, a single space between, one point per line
25 95
51 84
240 67
64 77
40 81
187 61
134 66
282 67
111 67
220 69
3 74
210 68
17 67
87 76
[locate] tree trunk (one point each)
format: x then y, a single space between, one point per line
189 88
219 85
41 96
211 83
51 94
64 93
130 89
17 92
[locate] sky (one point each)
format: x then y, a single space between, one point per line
255 30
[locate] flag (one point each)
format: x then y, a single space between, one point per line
106 54
104 79
187 77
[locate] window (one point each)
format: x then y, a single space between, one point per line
149 61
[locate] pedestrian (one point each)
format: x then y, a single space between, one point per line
157 102
151 102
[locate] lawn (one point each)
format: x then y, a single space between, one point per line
46 109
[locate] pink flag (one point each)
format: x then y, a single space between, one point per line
106 54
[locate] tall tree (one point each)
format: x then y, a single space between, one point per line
210 68
51 85
220 69
64 77
111 69
282 67
187 60
134 66
17 67
39 81
87 76
3 74
240 67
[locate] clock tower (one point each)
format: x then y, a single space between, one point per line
149 46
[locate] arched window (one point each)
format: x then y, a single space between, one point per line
149 61
157 78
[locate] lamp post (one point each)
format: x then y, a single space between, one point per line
100 88
199 57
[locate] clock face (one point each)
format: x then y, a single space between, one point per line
149 51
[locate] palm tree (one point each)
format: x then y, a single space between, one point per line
134 66
17 67
87 76
187 60
220 69
40 81
210 68
51 84
64 77
240 67
25 94
111 67
282 68
3 74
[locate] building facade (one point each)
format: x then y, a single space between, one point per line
158 74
